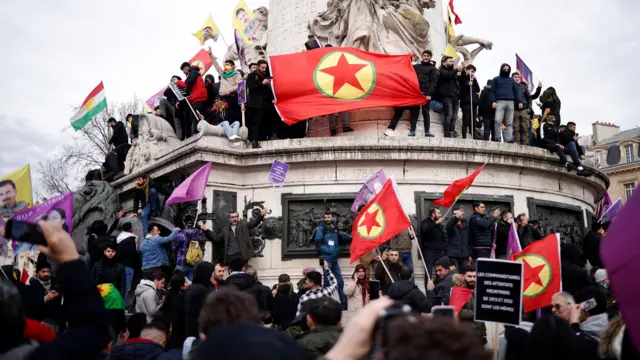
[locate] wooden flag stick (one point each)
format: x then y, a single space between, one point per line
415 238
385 268
496 328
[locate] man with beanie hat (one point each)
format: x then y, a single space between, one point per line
505 94
40 285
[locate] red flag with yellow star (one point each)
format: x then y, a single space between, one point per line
381 219
331 80
457 188
542 274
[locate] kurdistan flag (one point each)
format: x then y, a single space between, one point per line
95 102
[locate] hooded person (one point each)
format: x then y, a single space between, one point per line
408 293
196 294
574 276
551 105
505 95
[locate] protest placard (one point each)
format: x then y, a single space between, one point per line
278 172
498 291
242 92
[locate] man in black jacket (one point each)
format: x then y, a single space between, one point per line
262 115
432 236
442 285
128 255
480 231
237 238
405 291
569 140
393 264
110 271
119 136
458 249
592 244
527 233
448 91
522 119
196 294
502 233
87 333
49 304
246 282
428 80
550 140
469 99
487 114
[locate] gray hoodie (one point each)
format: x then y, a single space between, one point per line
147 299
595 325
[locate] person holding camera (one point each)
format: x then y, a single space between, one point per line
327 241
527 230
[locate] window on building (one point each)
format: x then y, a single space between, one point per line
628 190
628 151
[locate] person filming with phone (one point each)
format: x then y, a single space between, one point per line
87 332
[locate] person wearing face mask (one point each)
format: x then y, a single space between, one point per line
230 78
506 98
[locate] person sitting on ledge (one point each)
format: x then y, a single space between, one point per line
551 142
231 131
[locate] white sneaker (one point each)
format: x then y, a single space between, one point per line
234 138
235 144
580 168
389 132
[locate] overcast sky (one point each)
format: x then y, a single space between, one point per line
55 52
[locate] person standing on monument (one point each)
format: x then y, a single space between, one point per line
481 226
432 236
228 87
237 238
469 99
260 104
327 242
195 84
458 239
486 113
449 92
428 79
505 96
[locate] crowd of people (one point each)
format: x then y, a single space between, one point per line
176 305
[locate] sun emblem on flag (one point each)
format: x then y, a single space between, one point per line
372 222
200 64
537 274
344 76
89 104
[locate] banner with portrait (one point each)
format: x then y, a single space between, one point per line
245 23
15 192
207 31
58 209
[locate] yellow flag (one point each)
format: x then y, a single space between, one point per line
246 25
15 192
450 51
208 31
452 32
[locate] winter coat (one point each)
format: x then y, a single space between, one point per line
196 294
589 340
466 92
549 136
257 92
566 136
96 245
139 349
127 250
432 236
502 237
525 96
319 340
353 291
527 235
574 276
195 84
408 293
243 234
458 238
40 310
448 83
147 299
480 227
485 108
153 250
182 242
592 248
172 312
328 240
87 334
505 88
442 290
109 271
285 305
427 77
402 242
381 274
247 283
119 136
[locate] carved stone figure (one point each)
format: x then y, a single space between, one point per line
459 42
256 51
155 137
251 210
382 26
96 200
214 130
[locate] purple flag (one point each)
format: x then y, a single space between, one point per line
525 73
612 211
154 100
193 188
369 189
58 209
239 46
513 244
620 253
603 206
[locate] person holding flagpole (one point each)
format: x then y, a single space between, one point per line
480 226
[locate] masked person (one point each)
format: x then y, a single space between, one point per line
230 78
505 96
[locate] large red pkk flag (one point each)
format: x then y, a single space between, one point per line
331 80
460 296
542 274
457 188
202 60
381 219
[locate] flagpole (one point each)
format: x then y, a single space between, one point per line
385 268
450 207
415 238
605 213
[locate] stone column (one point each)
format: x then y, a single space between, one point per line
437 30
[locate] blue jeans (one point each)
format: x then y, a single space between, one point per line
146 213
335 269
128 278
187 270
230 130
571 150
407 259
